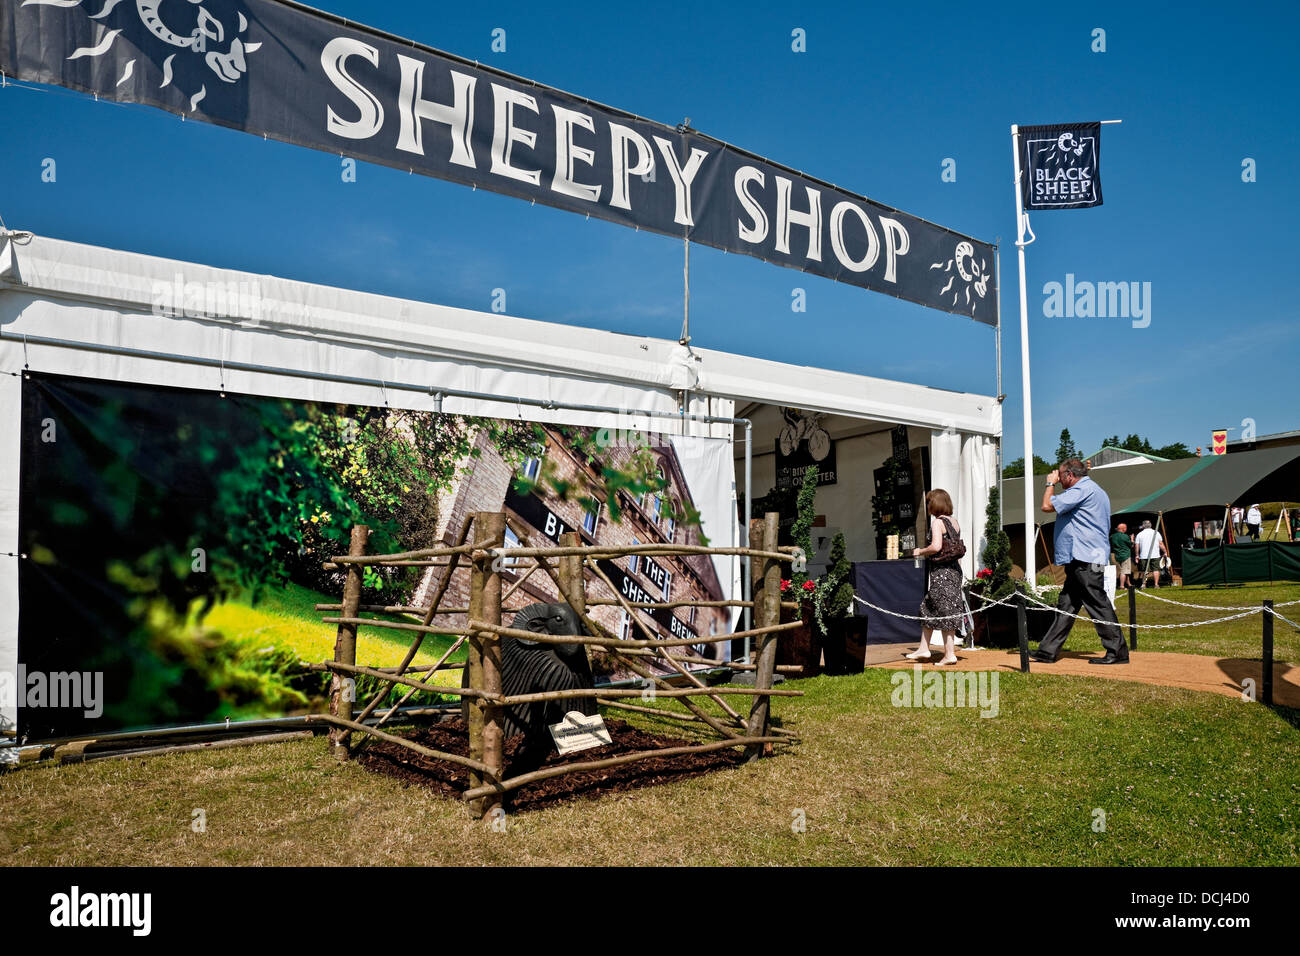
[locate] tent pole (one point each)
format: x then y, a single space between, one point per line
997 347
1021 221
746 582
686 292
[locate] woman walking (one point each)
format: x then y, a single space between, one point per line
943 606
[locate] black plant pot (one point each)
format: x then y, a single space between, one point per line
998 627
801 647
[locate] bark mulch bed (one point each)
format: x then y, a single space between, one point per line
451 736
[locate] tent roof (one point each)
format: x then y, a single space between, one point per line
1123 485
1265 475
1126 451
131 282
1241 478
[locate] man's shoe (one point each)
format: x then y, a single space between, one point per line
1109 659
1041 657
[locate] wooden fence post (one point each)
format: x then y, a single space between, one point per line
486 736
767 612
342 686
756 526
571 579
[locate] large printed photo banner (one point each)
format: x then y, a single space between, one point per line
176 543
281 70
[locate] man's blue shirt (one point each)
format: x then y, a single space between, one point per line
1082 523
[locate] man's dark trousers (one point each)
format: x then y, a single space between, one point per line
1084 587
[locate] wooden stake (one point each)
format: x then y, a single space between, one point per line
523 779
570 580
342 689
767 613
612 643
428 618
486 733
665 656
477 768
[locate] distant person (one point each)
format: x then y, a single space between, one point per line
1150 546
943 606
1295 524
1238 521
1083 518
1253 520
1121 545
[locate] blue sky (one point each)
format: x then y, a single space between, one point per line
881 97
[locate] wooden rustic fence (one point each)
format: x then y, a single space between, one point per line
483 629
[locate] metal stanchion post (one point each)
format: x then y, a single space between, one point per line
1132 617
1022 631
1266 694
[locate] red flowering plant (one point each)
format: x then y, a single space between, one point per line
984 573
830 596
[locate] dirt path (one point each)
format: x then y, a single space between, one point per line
1218 675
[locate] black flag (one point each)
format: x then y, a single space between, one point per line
1060 166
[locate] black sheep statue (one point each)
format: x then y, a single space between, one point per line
528 667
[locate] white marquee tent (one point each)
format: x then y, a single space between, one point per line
75 309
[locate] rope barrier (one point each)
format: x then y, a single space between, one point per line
1148 627
910 617
1078 617
1273 611
1203 607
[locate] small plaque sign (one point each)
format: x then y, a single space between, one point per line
579 732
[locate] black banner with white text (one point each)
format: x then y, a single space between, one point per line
277 69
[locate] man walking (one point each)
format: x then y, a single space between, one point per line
1150 546
1083 519
1122 547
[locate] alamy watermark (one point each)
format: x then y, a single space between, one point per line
923 688
78 690
203 299
630 430
1102 300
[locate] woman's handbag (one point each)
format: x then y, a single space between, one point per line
953 548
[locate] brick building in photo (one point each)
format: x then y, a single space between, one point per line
485 482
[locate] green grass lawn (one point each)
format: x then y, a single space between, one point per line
286 616
1241 638
1182 778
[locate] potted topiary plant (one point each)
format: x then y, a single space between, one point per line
833 606
996 626
802 647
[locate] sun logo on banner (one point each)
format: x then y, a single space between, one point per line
196 31
1067 149
973 275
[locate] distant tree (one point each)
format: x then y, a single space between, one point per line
1016 469
1066 447
1176 450
1138 444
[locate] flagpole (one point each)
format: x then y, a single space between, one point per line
997 347
1031 520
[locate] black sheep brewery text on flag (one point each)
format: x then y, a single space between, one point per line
1060 166
282 70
